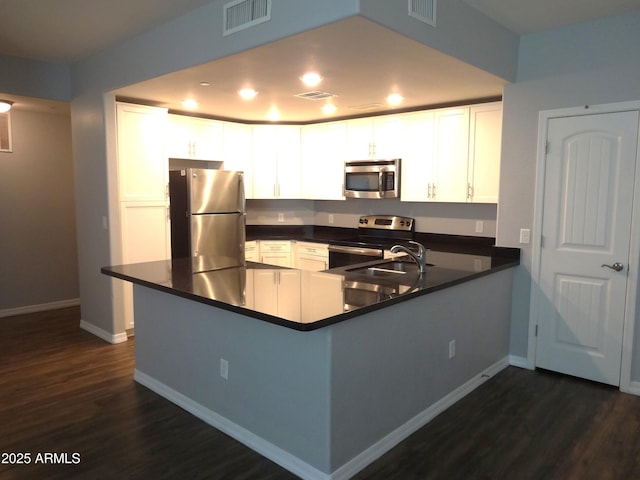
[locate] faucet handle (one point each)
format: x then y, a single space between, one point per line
421 249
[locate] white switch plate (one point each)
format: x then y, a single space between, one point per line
331 218
479 226
281 217
525 235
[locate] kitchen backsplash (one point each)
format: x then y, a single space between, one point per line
447 218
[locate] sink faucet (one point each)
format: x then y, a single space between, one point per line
420 257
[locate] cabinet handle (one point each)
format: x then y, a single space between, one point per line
429 190
469 191
434 191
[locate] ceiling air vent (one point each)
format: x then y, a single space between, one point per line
314 95
423 10
241 14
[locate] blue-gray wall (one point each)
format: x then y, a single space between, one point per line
589 63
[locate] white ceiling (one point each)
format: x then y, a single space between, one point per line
65 31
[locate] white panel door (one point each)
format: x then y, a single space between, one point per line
589 183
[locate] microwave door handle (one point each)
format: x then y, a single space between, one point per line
380 183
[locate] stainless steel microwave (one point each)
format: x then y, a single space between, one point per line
372 178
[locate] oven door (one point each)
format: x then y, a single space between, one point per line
343 256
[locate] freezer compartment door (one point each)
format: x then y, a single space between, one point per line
217 240
216 191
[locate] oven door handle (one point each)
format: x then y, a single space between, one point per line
374 252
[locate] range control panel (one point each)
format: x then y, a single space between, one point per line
387 222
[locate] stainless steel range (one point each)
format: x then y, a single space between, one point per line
375 233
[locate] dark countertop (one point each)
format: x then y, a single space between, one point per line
324 234
312 299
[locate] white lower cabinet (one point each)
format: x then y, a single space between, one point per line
251 252
277 292
321 295
146 237
275 252
311 256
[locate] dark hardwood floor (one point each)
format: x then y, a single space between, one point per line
64 391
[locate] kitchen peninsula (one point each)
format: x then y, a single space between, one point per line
324 392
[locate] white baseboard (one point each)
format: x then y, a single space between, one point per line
294 464
103 334
244 436
10 312
386 443
520 362
634 388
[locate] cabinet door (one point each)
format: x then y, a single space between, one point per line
288 162
251 251
323 153
178 137
387 137
484 152
265 294
321 285
360 139
142 164
194 138
417 168
452 154
237 152
206 139
265 161
289 294
275 253
145 236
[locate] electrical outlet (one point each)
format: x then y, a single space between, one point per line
281 217
331 218
479 226
525 235
452 348
224 368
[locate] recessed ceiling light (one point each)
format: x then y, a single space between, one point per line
395 99
204 84
190 103
247 93
329 108
5 105
274 114
311 79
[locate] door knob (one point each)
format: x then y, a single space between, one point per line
616 266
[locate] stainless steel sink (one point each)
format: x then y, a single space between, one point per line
388 269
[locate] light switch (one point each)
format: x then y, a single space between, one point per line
525 235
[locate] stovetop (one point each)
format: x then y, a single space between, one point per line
380 231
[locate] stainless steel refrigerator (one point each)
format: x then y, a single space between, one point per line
207 217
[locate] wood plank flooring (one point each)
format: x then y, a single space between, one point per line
62 390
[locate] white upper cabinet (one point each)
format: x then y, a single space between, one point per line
485 139
451 154
237 152
194 138
323 154
142 163
418 169
276 161
374 138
